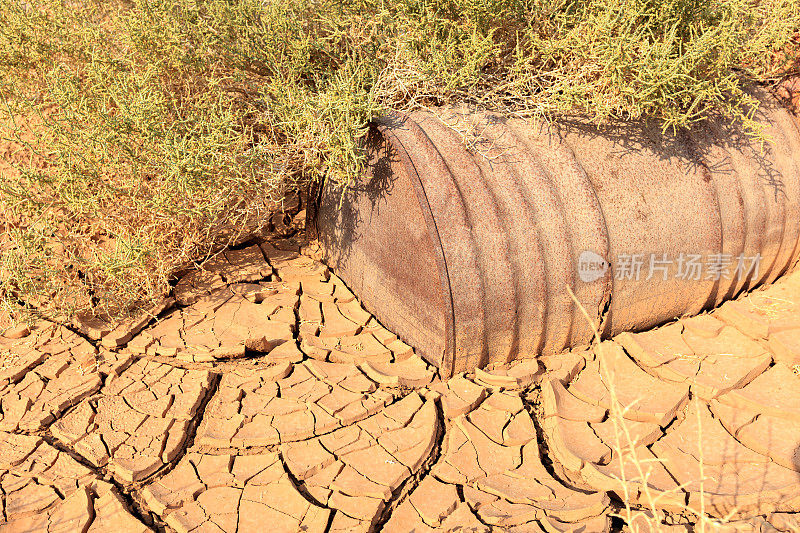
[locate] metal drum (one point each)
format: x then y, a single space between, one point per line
468 229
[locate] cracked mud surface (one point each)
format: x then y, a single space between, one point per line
261 394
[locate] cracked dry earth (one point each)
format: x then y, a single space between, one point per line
261 396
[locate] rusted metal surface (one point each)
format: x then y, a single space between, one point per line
468 229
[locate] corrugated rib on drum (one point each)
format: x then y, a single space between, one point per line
467 229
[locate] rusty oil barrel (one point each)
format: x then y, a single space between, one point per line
467 229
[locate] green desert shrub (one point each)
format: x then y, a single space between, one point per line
139 134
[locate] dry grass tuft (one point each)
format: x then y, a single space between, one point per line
646 515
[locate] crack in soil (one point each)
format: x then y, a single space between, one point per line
550 465
411 483
139 512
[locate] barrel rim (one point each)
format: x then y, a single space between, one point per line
386 126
